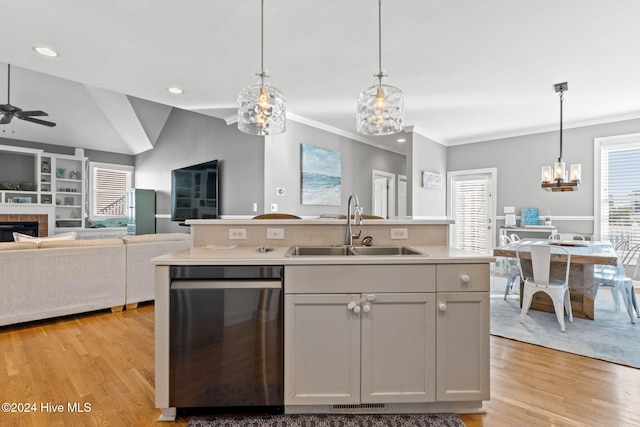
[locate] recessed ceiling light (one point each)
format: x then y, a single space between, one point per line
402 140
175 90
45 51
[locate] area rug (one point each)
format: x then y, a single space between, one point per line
332 420
611 336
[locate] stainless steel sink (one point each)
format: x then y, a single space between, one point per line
317 251
384 250
351 251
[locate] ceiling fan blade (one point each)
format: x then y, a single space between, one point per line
5 119
31 113
38 121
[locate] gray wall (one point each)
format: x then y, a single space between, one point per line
519 160
282 168
190 138
426 155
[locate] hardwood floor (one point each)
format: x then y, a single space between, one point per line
106 360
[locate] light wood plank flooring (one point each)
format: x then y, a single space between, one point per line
107 360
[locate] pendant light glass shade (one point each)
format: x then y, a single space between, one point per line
380 109
261 107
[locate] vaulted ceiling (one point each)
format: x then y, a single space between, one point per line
470 70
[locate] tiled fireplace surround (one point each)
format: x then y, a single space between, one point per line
43 221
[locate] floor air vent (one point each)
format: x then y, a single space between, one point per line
360 406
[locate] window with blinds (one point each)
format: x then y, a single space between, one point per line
620 191
471 213
109 191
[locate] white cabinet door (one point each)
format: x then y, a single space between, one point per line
398 348
322 349
462 346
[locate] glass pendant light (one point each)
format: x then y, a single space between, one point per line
381 106
556 178
261 107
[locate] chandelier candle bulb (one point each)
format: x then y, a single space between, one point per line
576 172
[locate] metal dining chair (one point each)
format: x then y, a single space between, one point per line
566 236
510 266
558 290
605 275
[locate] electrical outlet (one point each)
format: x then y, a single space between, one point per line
274 207
275 233
237 233
399 234
255 207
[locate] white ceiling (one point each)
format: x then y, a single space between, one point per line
470 70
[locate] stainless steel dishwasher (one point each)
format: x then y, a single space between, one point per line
226 344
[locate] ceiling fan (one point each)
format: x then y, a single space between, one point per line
8 111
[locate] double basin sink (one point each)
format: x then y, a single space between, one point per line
352 250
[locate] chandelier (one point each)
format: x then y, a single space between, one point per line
556 178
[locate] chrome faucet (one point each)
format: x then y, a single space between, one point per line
357 219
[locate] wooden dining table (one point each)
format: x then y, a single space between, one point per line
584 256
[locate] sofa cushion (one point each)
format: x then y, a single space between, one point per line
161 237
12 246
18 237
47 244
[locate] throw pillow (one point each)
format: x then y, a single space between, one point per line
18 237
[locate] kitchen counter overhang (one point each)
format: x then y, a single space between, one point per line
245 255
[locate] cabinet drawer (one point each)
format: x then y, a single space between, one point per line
322 279
463 277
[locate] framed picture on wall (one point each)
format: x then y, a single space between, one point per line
431 180
321 176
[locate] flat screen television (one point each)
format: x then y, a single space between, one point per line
195 192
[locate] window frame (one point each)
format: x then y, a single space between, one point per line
93 167
618 141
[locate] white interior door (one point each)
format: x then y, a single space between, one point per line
402 196
472 207
383 193
380 196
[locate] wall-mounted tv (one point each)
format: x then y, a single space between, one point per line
195 192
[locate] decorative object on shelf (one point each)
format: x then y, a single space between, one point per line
58 202
21 200
75 175
431 180
60 172
45 166
25 186
556 178
529 216
68 201
381 106
261 107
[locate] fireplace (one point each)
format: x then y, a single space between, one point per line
23 227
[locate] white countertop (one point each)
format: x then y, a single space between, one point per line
249 255
319 221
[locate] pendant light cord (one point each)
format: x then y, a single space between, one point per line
262 73
380 40
561 101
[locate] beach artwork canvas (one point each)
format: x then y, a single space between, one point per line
321 176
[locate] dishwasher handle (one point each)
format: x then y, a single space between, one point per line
226 284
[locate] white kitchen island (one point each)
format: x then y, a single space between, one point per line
371 333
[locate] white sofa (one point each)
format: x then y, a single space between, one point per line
62 277
140 272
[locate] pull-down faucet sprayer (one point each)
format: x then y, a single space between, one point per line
357 219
